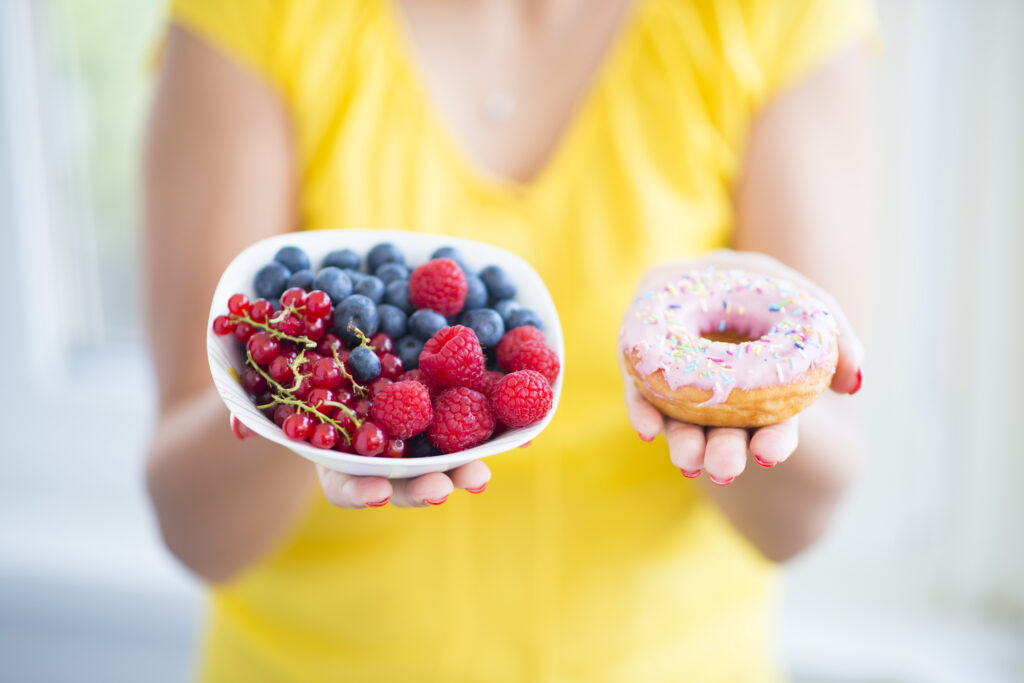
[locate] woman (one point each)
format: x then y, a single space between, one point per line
596 140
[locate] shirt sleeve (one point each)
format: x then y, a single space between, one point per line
790 39
241 29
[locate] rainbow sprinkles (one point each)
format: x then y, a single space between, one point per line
785 332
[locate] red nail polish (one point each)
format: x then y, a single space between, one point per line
644 438
479 489
379 503
688 474
238 429
764 463
860 380
436 502
720 482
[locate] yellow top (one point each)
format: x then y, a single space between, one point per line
589 558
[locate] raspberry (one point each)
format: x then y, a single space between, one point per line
462 419
439 285
485 385
452 357
403 409
535 356
522 398
416 375
515 338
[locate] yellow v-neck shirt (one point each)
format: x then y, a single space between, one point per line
589 558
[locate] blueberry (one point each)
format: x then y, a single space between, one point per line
386 252
425 323
346 259
397 294
505 308
333 281
487 324
292 258
355 276
391 271
453 254
524 316
499 286
370 287
302 278
364 363
393 321
476 293
408 349
359 310
271 280
419 446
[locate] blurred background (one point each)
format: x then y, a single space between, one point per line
922 578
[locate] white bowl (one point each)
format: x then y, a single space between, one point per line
225 354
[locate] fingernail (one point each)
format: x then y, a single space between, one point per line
436 502
720 482
644 438
479 489
860 380
238 429
379 503
764 463
688 474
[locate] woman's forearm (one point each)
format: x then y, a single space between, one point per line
221 503
783 510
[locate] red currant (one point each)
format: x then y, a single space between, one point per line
318 304
343 394
369 440
293 296
328 343
326 374
390 366
281 413
362 408
238 304
378 385
309 359
243 331
302 391
394 448
280 369
290 324
318 398
222 325
344 419
253 381
314 328
381 344
324 436
261 310
263 348
297 426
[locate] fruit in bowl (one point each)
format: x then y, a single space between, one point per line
386 353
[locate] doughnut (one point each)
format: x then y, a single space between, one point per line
728 348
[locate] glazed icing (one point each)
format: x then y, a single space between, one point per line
791 332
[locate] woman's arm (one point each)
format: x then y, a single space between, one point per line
219 175
806 198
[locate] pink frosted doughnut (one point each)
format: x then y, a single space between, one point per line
729 348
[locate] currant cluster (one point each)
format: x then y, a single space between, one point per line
322 365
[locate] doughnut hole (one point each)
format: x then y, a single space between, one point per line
736 330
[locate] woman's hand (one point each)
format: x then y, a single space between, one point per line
722 451
352 492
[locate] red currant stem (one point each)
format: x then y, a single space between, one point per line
361 390
284 395
276 334
348 411
363 341
290 309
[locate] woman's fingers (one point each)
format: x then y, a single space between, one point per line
644 417
685 446
347 491
772 445
473 476
428 489
725 455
